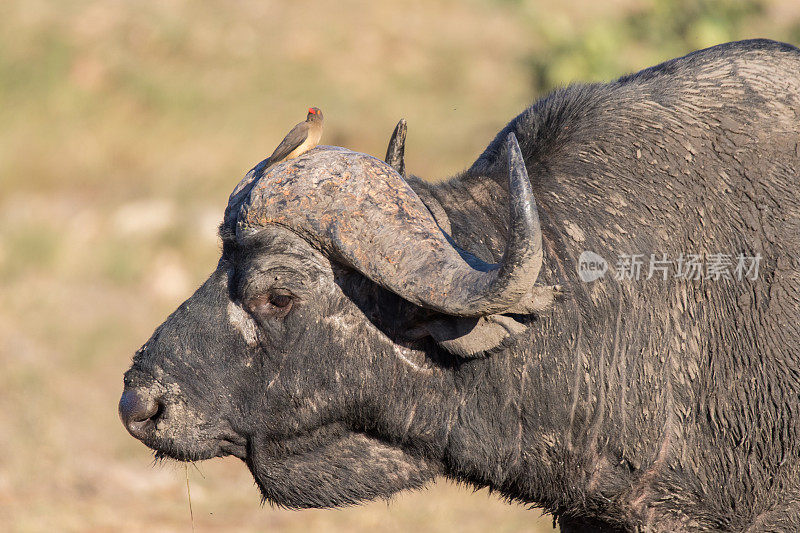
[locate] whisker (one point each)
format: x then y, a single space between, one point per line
189 494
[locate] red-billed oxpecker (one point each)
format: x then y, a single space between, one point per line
302 138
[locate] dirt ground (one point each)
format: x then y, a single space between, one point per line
123 128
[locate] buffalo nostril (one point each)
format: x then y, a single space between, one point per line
138 411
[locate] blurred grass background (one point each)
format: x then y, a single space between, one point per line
125 124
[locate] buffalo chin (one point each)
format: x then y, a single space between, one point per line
349 470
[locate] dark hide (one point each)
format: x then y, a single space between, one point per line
631 405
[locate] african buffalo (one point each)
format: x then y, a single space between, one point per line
363 333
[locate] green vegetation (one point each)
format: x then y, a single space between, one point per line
646 34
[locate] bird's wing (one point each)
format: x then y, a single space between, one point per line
292 140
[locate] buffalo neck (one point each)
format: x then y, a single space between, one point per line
520 395
555 399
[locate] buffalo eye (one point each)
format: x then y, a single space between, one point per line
275 304
280 300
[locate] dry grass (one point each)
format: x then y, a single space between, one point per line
124 126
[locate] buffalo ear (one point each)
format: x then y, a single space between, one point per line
475 336
469 336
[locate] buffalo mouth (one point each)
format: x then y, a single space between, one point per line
197 447
199 451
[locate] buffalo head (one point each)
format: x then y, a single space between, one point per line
318 350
